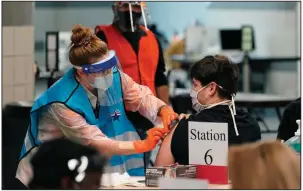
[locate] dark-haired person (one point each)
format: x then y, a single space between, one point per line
288 125
88 105
63 164
215 83
139 53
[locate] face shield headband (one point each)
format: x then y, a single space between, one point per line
101 66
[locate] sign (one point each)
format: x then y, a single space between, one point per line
208 149
182 183
64 41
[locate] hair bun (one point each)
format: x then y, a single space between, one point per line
80 34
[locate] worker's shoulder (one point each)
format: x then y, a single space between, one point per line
99 32
149 32
101 28
98 28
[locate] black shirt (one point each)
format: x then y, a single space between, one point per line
248 129
288 125
134 38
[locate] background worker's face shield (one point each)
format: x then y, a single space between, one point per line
129 13
101 76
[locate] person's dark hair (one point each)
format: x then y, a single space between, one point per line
50 163
218 69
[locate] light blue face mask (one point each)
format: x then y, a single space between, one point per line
104 82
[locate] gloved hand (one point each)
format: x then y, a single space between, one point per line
153 137
167 115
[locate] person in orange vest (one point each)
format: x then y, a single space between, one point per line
139 53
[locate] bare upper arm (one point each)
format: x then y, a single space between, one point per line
165 156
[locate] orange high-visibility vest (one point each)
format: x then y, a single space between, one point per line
141 68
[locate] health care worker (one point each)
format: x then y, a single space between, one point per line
88 106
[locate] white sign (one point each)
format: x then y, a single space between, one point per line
182 183
208 143
51 42
64 42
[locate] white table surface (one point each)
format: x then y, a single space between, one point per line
143 187
253 97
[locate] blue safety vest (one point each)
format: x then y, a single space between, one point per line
112 120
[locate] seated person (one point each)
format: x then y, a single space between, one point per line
215 83
62 164
288 125
264 165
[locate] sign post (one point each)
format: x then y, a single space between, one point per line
208 149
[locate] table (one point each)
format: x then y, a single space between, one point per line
255 59
247 61
143 187
210 186
262 100
246 100
250 99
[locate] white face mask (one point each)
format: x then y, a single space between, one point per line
200 107
195 102
104 82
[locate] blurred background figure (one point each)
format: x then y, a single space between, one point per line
176 47
288 125
36 70
177 75
264 165
65 165
159 35
176 36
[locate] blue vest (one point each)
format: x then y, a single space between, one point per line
112 120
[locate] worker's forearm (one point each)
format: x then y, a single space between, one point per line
111 147
162 93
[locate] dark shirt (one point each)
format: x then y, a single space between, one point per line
248 129
288 125
134 38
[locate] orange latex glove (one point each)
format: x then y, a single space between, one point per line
153 137
167 115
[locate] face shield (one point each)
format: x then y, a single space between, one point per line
106 77
131 12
